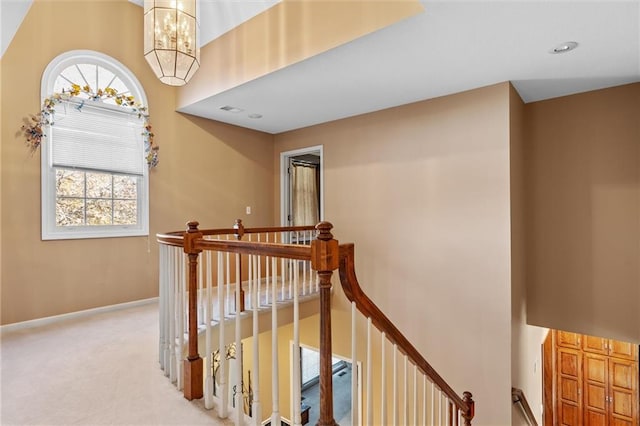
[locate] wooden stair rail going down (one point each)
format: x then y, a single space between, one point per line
465 404
517 396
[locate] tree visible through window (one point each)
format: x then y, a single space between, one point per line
95 176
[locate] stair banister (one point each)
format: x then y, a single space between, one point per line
193 364
325 259
354 293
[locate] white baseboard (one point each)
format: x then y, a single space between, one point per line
73 315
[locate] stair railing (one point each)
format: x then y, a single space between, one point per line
273 264
439 404
187 310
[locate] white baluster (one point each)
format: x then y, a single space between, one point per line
180 313
200 293
256 408
354 367
162 273
395 384
439 407
433 403
383 385
238 363
282 275
295 403
424 400
208 317
173 289
415 394
275 377
259 277
250 280
405 414
369 376
267 273
223 410
229 293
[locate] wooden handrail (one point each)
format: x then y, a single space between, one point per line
517 396
354 293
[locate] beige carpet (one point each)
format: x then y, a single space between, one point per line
92 371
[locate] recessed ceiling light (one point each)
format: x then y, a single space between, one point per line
564 47
255 115
230 108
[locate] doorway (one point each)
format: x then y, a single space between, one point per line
342 370
301 186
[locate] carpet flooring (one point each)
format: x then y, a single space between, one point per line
99 370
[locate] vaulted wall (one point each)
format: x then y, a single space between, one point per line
208 171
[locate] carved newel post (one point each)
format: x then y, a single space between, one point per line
193 364
468 398
324 260
239 227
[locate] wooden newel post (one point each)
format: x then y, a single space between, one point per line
193 380
324 260
468 398
239 227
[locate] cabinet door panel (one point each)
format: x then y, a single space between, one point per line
569 378
595 389
623 350
595 345
623 385
567 339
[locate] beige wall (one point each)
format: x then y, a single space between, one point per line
526 340
583 198
208 171
423 191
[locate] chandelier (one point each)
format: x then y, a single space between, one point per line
171 39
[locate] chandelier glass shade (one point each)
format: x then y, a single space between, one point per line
171 39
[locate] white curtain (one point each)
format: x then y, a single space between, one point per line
304 195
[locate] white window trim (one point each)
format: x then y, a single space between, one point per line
49 229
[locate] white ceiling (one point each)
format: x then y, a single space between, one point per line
452 47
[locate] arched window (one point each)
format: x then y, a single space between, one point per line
94 172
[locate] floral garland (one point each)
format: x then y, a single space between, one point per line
35 123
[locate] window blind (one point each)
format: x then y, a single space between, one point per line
97 138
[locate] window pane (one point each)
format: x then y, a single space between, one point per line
125 187
125 212
69 212
99 185
69 183
98 212
89 73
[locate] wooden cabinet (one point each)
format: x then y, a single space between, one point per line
595 381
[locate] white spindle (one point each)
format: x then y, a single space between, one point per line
238 363
267 272
415 394
424 399
173 290
200 292
228 296
208 317
383 385
395 384
256 409
439 407
369 376
250 280
433 403
405 393
275 377
180 311
282 276
297 419
354 367
163 270
259 276
223 410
